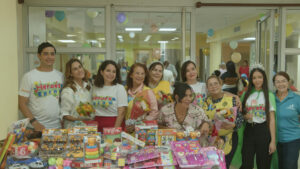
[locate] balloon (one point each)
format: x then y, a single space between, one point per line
206 51
49 14
60 15
121 17
288 29
236 57
233 44
131 34
92 13
210 32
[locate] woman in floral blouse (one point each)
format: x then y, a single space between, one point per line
182 114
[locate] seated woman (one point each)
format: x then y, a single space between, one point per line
161 88
219 101
142 104
182 114
76 89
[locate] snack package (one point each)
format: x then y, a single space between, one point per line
54 143
147 132
18 128
166 136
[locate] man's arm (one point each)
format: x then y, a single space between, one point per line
23 101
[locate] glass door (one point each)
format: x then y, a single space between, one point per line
265 45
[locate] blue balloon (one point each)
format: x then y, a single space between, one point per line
121 17
59 15
210 32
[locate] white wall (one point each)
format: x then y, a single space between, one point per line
8 65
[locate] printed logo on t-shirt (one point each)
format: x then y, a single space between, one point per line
291 107
47 89
257 111
103 101
199 99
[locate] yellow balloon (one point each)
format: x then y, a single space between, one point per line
288 29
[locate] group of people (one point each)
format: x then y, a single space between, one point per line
47 98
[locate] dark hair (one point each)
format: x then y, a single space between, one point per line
264 89
281 73
44 45
230 66
183 69
99 80
180 89
153 65
166 63
69 81
129 79
217 73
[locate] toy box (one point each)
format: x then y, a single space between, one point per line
166 136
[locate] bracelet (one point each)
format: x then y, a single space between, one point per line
32 120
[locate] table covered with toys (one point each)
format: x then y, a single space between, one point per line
84 147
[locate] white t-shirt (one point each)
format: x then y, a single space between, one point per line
107 99
70 100
200 93
43 90
255 105
168 76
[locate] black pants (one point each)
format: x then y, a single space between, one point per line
228 157
256 142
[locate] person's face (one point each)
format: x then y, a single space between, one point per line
281 83
47 56
156 73
77 71
191 72
187 99
138 76
245 64
214 86
258 79
109 74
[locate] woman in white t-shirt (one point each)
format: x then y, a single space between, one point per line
109 97
76 89
258 110
189 75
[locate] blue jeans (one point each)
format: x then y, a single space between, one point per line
288 154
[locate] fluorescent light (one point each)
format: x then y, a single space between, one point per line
167 29
66 41
70 35
120 36
147 38
175 38
249 39
133 29
162 41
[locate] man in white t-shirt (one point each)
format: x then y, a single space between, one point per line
40 89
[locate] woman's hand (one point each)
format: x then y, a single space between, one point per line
227 126
38 126
248 116
129 129
272 147
204 130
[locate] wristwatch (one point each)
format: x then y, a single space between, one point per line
32 120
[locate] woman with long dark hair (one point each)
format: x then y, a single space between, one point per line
230 78
76 90
109 96
259 113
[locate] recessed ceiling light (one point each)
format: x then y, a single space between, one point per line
133 29
66 41
167 29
